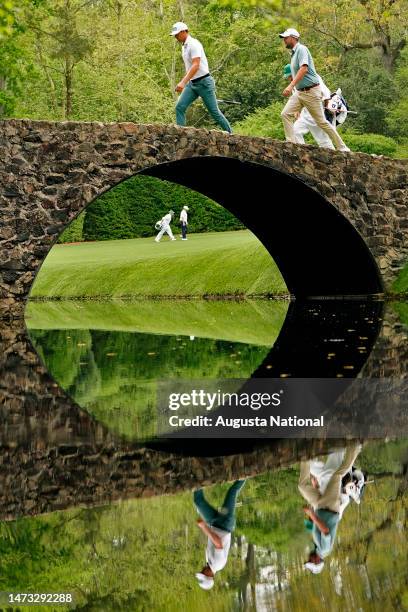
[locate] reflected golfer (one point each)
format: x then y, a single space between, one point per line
217 526
197 82
325 508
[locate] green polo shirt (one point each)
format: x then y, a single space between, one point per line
300 57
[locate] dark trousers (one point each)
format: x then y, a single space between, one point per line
184 230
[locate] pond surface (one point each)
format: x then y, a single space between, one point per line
92 511
109 357
143 554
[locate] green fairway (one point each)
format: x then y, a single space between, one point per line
218 264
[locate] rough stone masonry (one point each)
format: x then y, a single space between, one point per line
51 171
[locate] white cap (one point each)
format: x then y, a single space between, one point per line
186 208
315 568
179 26
205 582
290 32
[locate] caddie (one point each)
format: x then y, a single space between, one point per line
197 82
164 226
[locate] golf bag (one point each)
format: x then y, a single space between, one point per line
336 109
158 225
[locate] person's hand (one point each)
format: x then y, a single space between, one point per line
287 91
180 86
200 522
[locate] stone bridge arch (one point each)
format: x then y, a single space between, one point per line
342 226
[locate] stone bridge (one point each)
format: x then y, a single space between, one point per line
335 223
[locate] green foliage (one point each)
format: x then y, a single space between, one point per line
73 233
398 115
131 209
7 17
370 143
401 284
263 122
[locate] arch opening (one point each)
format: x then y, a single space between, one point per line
317 250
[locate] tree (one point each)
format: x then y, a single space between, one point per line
61 41
359 24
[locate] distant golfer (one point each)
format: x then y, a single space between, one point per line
306 91
164 226
197 82
218 527
184 222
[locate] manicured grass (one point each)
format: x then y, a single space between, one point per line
251 321
219 264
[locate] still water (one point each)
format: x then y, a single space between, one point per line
109 358
143 554
91 511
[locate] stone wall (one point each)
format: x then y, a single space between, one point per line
51 171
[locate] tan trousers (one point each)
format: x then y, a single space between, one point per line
312 100
331 497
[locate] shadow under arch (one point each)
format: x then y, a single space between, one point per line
317 250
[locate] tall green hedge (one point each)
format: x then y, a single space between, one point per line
131 209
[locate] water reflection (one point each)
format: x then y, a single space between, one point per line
113 374
144 553
109 358
218 526
328 494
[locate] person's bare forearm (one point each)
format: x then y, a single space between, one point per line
299 75
215 539
189 75
321 525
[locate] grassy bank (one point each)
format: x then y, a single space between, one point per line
222 263
250 321
400 286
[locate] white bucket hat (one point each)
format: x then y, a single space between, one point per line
186 208
205 582
315 568
178 27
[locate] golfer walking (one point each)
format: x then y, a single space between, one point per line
197 82
306 92
305 122
184 222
